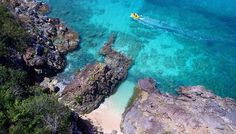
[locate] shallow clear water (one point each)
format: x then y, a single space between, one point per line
208 58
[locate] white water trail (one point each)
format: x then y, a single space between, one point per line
158 24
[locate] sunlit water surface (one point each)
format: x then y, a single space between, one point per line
203 53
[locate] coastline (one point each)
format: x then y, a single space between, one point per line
105 117
50 83
31 53
194 110
110 113
50 41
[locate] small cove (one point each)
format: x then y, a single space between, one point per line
170 59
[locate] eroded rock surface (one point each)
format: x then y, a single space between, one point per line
194 111
49 38
96 81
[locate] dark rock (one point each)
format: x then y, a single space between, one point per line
54 21
43 8
54 38
56 89
66 41
35 61
39 50
56 60
80 126
96 82
195 110
53 61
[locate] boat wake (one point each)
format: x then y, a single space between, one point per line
158 24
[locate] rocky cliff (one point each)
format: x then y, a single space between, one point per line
49 38
194 110
96 81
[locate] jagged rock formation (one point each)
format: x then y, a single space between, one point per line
80 126
193 111
49 38
96 81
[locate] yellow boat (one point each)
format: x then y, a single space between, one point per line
134 16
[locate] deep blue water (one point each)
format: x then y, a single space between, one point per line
202 51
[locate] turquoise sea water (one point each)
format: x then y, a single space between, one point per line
203 53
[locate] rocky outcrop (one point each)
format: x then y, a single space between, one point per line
96 81
66 40
80 126
195 111
115 60
49 85
49 63
49 41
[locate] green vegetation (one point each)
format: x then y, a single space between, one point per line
79 99
12 35
91 78
24 108
41 114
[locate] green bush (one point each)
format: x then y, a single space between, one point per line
12 35
14 81
79 99
41 114
24 108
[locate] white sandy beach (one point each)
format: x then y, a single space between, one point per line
105 117
109 114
